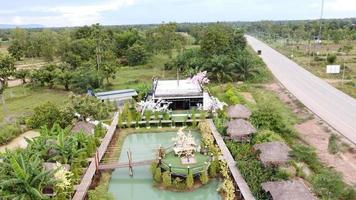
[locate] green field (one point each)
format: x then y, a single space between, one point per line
21 100
132 77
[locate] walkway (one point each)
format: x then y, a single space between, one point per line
329 103
239 180
82 188
116 165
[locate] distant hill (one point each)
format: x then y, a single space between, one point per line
10 26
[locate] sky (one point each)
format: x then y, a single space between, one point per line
57 13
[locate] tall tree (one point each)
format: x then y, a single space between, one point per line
165 39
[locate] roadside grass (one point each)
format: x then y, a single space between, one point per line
318 66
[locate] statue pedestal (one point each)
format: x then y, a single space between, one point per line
186 161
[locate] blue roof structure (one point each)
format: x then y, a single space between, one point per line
116 94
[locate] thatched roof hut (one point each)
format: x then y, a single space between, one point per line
291 190
52 166
86 127
238 111
240 129
273 153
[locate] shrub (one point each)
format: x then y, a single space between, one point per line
204 178
271 114
194 121
156 115
306 154
129 119
148 116
101 191
9 132
328 184
88 106
179 184
331 58
167 182
266 136
229 189
282 174
136 55
333 147
158 175
241 151
220 124
153 168
213 168
233 97
44 115
166 116
255 174
189 181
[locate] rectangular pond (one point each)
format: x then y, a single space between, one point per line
144 147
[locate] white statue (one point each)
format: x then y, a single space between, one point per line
184 144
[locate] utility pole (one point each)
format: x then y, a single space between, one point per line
343 71
320 21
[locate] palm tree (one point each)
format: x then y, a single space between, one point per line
243 68
219 69
23 177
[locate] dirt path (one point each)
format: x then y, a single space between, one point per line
14 82
318 137
20 141
316 133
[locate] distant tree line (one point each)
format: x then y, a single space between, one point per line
332 29
87 57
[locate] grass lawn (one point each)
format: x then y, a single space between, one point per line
22 100
132 77
179 168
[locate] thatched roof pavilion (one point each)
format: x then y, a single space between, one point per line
238 111
273 153
240 129
86 127
291 190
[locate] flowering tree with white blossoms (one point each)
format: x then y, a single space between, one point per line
160 105
216 104
200 78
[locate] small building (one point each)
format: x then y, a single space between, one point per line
183 94
240 130
86 127
291 190
238 111
273 153
118 96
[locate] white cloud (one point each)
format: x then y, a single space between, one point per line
17 20
70 15
340 5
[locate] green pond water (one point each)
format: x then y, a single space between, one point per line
140 187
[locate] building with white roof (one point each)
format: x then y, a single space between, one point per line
184 94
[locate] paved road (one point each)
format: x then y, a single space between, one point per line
329 103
